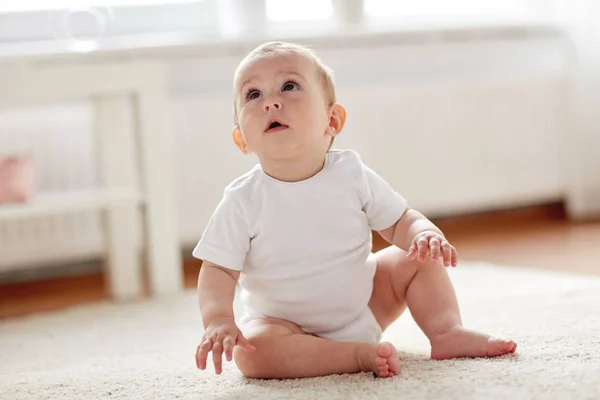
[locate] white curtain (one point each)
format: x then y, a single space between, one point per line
581 20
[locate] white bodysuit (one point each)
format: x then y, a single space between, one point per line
304 248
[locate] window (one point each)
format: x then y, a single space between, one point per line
94 20
298 10
35 5
443 8
87 24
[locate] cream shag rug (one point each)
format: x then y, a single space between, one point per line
146 350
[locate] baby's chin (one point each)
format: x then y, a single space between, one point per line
287 151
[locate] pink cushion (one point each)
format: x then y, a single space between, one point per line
16 178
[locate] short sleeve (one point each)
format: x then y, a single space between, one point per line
382 204
225 240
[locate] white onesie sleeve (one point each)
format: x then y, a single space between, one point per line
225 241
382 204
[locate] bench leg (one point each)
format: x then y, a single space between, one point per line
157 170
114 130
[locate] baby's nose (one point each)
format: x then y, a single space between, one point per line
272 104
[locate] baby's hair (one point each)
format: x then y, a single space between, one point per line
325 73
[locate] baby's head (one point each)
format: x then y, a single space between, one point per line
284 103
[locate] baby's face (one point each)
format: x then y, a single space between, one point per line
281 106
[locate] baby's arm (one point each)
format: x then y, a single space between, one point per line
216 292
420 237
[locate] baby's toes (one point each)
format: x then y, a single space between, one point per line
497 347
384 370
509 346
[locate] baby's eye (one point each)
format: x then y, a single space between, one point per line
252 94
290 85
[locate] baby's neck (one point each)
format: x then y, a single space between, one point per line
294 170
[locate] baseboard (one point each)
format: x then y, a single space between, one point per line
505 217
46 272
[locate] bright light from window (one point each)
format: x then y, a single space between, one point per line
299 10
408 8
32 5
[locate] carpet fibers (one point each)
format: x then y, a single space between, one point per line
145 350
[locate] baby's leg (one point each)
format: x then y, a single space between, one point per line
283 350
428 292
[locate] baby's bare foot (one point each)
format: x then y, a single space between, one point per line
461 342
381 358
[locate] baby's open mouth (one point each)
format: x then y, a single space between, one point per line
275 126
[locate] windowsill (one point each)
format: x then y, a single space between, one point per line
190 44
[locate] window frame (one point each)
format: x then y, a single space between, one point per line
122 20
219 19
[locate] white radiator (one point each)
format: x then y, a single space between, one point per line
59 137
490 141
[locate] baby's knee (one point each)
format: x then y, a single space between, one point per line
260 362
431 264
248 363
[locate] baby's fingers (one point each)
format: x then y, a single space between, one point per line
202 353
434 244
454 256
217 352
422 244
228 344
245 344
412 252
447 253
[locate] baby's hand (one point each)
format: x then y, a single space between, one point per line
433 244
221 335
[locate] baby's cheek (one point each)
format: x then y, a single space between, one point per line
248 118
250 107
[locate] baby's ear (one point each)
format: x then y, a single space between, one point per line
239 140
337 119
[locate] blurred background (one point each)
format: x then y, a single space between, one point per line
482 113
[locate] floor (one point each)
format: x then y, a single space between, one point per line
145 350
540 237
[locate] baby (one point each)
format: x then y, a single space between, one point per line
295 232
